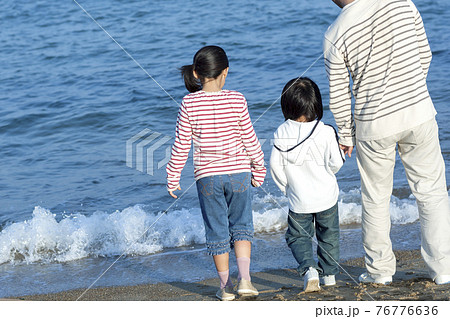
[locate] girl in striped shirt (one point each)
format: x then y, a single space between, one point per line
227 160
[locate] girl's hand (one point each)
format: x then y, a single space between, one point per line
172 194
254 183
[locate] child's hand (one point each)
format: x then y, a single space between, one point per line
172 194
347 149
255 183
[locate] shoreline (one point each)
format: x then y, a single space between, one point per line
410 283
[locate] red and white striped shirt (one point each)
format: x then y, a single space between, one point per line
224 140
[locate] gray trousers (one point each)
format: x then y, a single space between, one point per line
421 155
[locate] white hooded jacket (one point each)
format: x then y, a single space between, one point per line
304 159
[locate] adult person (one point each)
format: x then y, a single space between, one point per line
381 45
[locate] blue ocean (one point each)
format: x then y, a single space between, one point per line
89 95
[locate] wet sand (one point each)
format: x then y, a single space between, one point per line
411 283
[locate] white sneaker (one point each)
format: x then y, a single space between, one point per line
329 280
225 294
311 280
442 279
245 288
366 278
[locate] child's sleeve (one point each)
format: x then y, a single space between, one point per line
252 146
277 169
180 149
337 156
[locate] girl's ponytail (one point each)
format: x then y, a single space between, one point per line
192 84
209 62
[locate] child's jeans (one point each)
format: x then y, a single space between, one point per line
225 201
299 237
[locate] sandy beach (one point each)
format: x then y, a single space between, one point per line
411 283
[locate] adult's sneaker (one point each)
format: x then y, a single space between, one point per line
225 294
329 280
311 280
366 278
245 288
442 279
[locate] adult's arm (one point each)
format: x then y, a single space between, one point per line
422 41
340 93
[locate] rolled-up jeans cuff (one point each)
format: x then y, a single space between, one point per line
220 248
241 235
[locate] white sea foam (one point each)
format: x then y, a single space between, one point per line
43 238
271 214
46 238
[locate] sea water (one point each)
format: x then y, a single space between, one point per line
71 98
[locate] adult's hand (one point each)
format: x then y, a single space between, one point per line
347 149
172 194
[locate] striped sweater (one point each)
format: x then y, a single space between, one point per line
382 46
219 125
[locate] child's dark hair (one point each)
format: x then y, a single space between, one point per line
209 62
301 96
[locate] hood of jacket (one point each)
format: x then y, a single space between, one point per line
293 138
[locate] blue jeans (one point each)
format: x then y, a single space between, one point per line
225 201
299 239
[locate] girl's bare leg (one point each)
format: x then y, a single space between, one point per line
242 248
221 262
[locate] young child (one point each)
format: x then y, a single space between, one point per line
227 160
304 159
